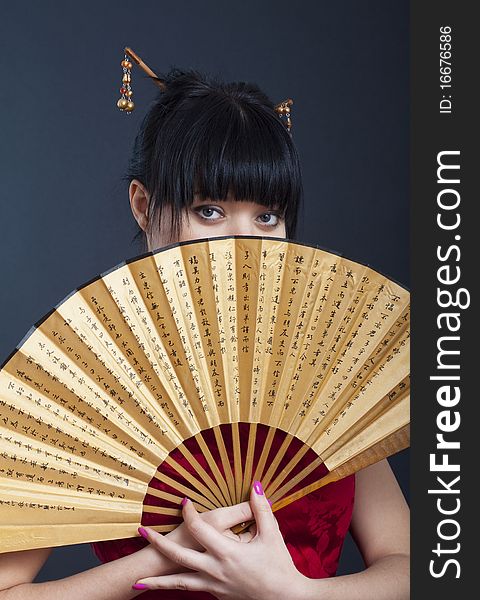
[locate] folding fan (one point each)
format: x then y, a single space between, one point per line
192 371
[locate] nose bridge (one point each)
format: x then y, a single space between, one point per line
241 224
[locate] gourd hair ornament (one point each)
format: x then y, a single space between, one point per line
283 111
126 104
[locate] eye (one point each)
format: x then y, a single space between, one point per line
269 219
208 212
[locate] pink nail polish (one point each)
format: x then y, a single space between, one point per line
143 532
257 486
269 501
184 501
139 586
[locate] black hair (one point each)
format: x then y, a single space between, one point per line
203 136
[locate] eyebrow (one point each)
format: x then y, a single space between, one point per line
266 208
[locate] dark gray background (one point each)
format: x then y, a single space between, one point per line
65 215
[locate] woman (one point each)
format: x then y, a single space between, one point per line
211 160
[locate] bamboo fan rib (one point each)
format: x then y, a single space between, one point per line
193 371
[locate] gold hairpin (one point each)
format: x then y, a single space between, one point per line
283 111
125 102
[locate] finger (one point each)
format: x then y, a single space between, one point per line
186 557
264 517
192 582
213 541
229 516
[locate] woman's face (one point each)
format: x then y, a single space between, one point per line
209 218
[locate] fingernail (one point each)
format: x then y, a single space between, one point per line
144 533
139 586
184 501
257 486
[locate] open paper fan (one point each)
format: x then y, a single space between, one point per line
192 371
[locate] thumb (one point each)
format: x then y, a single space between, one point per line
262 511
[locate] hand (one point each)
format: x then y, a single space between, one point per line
227 568
222 519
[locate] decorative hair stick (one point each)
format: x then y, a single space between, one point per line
126 103
283 111
129 52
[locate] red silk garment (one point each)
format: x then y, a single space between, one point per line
313 527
